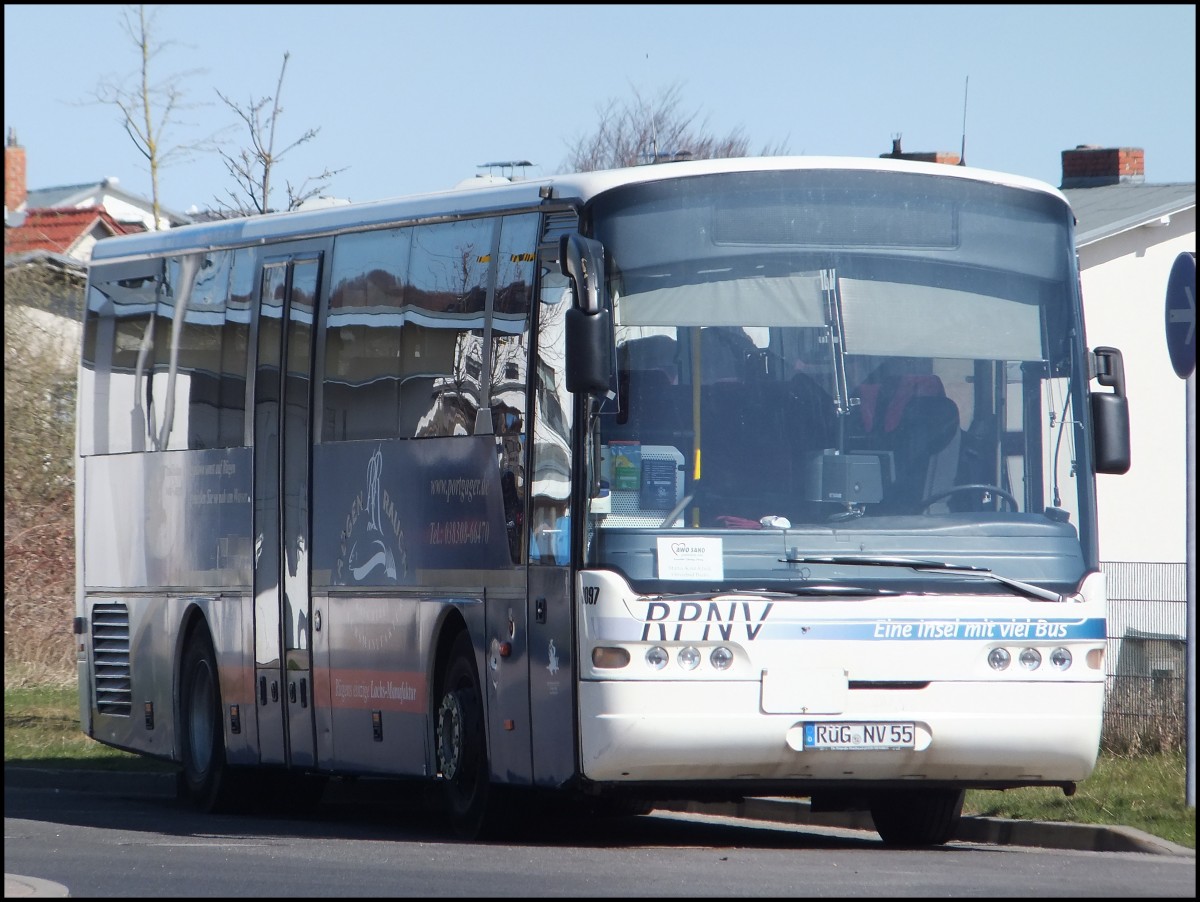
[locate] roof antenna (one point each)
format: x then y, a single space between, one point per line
962 156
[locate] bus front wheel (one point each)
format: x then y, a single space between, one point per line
913 818
461 743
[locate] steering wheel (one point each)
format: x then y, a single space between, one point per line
972 487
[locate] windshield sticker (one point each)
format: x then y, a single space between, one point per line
698 557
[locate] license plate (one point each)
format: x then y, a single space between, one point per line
859 736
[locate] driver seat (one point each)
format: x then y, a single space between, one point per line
926 443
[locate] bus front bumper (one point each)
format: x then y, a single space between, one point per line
1018 733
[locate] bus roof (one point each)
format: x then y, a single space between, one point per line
490 197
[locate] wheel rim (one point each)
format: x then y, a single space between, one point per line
450 729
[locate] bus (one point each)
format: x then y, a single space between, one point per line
694 481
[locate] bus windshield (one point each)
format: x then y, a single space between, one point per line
828 363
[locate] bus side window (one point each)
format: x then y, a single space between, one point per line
510 366
447 289
119 350
550 504
363 382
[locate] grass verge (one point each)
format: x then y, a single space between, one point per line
41 729
1146 792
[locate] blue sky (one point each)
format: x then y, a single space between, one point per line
414 98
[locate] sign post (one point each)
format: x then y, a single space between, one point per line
1181 345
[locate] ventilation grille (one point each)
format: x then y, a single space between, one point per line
556 225
110 658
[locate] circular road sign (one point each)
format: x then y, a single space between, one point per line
1181 314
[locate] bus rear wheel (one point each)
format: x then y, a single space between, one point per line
461 743
917 817
204 779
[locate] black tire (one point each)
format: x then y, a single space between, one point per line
917 817
460 742
204 779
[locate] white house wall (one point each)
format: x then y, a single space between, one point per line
1143 513
123 211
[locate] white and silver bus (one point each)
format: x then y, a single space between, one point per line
701 480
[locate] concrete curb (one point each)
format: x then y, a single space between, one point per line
16 886
990 830
1079 837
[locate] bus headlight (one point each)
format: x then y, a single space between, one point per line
1060 658
721 658
999 658
689 658
656 657
1030 658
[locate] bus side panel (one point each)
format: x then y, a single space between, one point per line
171 518
154 521
398 521
551 675
230 619
132 648
370 685
505 678
136 642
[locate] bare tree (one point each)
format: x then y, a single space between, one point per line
630 132
253 166
41 320
42 304
149 108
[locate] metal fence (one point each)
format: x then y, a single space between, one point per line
1146 660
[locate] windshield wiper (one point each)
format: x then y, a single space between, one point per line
920 564
831 589
800 590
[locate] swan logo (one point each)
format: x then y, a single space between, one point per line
372 544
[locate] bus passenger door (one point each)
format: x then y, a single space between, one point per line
282 444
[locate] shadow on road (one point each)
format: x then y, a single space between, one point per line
394 811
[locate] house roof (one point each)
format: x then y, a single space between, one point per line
62 196
72 195
58 230
1111 209
47 259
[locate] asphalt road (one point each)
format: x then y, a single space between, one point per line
991 831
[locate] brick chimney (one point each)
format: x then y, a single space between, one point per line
933 156
1089 166
14 173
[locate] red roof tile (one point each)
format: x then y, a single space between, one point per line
59 229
